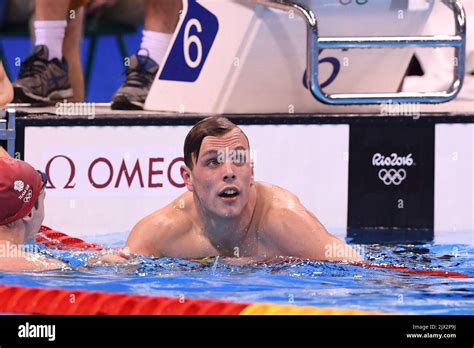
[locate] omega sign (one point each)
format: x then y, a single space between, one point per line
146 173
394 174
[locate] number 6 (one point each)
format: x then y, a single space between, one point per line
193 39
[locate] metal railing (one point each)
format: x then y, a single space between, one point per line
316 43
7 129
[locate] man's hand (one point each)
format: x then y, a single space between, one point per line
121 256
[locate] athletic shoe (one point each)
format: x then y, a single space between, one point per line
42 80
140 76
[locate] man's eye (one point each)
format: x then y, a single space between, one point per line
240 160
212 162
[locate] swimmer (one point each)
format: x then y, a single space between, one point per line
225 212
6 88
22 194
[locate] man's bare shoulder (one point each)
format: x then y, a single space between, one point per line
161 227
276 198
285 216
292 230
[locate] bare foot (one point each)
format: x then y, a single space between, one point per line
6 88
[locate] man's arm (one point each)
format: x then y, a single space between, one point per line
150 237
33 263
297 232
153 234
143 238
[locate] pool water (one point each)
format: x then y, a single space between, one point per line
312 283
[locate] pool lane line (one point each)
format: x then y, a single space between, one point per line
40 301
59 240
429 273
423 272
272 309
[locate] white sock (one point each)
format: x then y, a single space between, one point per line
156 44
51 34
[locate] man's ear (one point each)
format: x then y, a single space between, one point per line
28 217
187 177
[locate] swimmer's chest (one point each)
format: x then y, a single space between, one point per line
199 246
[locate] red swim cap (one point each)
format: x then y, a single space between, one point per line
20 187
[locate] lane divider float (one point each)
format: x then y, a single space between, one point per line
58 240
39 301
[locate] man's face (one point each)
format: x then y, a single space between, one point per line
223 174
37 217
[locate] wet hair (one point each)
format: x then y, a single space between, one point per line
211 126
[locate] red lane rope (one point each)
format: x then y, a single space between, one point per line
58 240
430 273
23 300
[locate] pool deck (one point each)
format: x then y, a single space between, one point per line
102 111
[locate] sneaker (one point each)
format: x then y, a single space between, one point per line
140 76
42 80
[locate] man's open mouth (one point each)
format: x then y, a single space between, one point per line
229 193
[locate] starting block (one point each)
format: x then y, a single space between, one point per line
279 56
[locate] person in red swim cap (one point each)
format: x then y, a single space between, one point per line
22 194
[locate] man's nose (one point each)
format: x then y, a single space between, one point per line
229 174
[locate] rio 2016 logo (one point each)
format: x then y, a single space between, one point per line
392 176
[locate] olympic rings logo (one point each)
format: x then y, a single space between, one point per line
28 196
392 176
358 2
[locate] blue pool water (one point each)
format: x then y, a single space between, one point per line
300 283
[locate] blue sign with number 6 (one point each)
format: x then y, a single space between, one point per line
192 45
